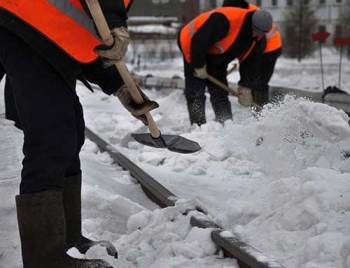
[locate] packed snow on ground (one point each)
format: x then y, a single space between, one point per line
279 181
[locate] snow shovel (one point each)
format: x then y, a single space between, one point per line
227 88
174 143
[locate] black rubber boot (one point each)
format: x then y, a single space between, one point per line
222 110
260 97
72 210
196 111
43 233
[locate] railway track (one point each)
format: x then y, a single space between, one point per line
232 247
339 101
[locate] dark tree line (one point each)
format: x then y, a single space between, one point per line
300 24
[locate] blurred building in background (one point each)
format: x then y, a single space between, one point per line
183 10
154 24
329 13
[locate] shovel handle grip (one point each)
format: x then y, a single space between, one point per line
107 38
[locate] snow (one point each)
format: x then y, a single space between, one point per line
151 19
156 29
279 182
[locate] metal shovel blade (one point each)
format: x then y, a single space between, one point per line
174 143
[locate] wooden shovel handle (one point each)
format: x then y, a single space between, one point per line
222 85
229 71
108 39
227 88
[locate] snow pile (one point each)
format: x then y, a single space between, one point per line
290 136
304 204
279 181
162 238
165 238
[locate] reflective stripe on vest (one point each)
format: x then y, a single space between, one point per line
235 17
192 32
271 33
273 40
246 54
63 22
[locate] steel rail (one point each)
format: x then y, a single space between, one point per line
154 190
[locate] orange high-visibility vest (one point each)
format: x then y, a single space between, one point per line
63 22
273 39
236 18
126 3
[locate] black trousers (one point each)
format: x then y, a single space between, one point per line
50 114
10 106
266 69
195 87
2 72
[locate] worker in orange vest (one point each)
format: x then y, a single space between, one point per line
45 46
208 43
256 66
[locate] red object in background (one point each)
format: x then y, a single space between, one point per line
320 36
341 41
